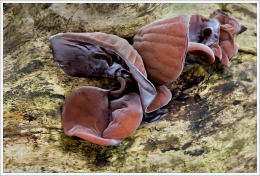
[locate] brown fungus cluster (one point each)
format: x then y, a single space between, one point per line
157 57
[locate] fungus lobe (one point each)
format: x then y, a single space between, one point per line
157 57
162 46
103 116
216 33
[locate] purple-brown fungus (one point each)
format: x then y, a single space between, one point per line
162 46
157 57
90 113
217 33
102 116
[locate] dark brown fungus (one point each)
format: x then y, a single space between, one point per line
89 114
217 33
162 45
203 37
203 30
118 112
105 117
162 98
200 53
228 30
102 55
231 24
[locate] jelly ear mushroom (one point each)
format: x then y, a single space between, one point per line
231 24
126 116
217 33
101 116
104 55
229 28
162 98
200 53
163 45
203 40
89 114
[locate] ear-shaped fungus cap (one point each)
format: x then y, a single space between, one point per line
228 30
203 34
83 55
88 114
232 26
104 117
88 54
162 45
216 33
200 53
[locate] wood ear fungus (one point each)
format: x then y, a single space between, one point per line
217 33
105 117
157 57
162 46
